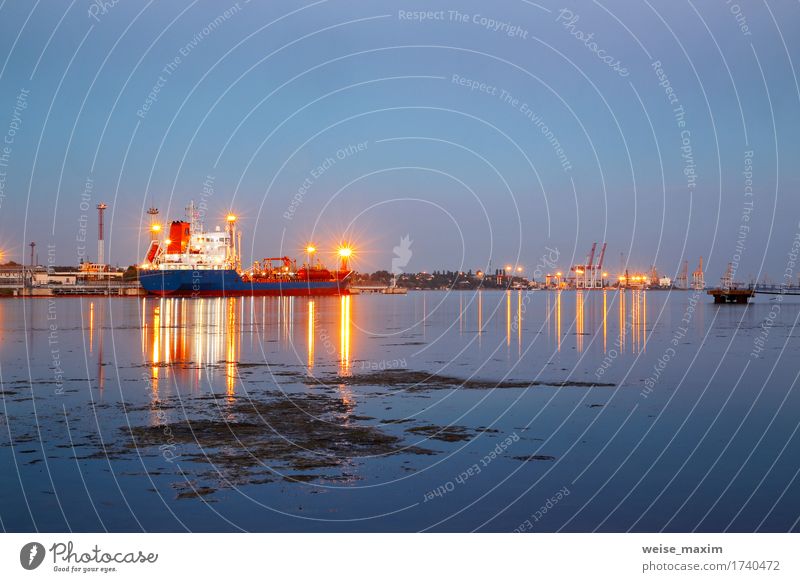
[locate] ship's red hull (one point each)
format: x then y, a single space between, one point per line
228 283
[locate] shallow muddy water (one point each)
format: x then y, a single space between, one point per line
459 411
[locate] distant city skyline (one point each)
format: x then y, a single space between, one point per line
484 134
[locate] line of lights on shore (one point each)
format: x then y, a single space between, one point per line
560 280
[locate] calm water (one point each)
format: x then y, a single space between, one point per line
542 411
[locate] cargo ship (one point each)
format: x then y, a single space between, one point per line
194 262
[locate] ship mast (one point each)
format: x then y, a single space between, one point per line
233 256
194 218
239 250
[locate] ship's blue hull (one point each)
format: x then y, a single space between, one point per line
228 283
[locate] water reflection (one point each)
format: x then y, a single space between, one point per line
311 335
638 314
644 321
621 323
592 318
508 318
480 313
605 322
233 338
519 323
344 335
461 313
91 327
183 338
579 321
97 347
558 319
286 317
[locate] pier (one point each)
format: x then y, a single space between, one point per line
730 291
731 295
122 290
743 294
383 289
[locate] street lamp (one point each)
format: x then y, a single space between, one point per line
344 252
155 231
310 250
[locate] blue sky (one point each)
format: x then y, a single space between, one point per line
460 118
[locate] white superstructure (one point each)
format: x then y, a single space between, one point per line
191 247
